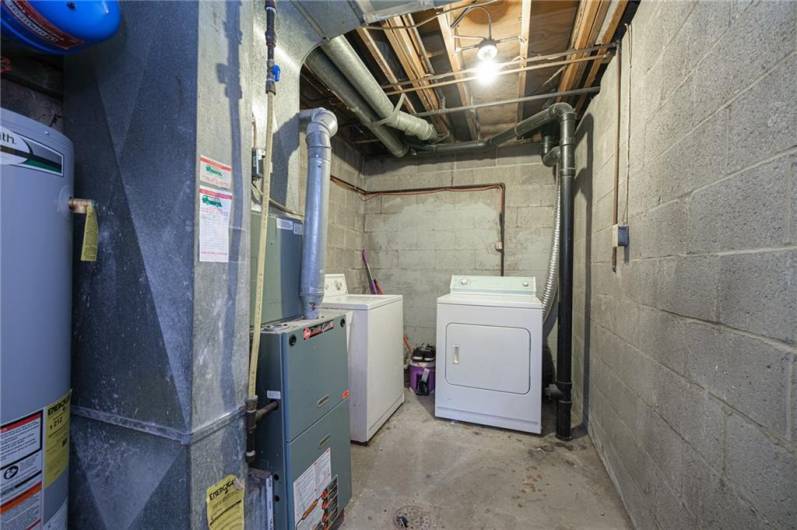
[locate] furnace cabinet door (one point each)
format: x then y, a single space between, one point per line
492 358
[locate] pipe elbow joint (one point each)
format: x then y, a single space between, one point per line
320 120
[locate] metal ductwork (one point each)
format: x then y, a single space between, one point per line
321 126
349 63
323 68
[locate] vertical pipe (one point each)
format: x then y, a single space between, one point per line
615 203
564 380
322 125
265 193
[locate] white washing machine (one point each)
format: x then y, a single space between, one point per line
489 352
376 355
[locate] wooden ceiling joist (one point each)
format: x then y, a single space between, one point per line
409 56
589 21
384 66
616 11
455 61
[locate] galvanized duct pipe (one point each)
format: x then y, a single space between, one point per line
324 70
321 126
353 68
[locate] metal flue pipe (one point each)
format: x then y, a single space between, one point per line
349 63
328 73
564 343
321 126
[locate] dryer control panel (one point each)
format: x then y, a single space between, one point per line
493 285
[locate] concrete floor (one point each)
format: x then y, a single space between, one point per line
444 474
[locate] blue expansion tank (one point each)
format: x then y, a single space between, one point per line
60 27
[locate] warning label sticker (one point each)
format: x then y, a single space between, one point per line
214 173
23 511
307 490
225 504
20 454
21 472
56 439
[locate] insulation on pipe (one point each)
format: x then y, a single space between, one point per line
349 63
328 73
321 126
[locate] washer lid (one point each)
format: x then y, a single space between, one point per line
359 301
511 285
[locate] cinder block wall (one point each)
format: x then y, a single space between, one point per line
690 344
345 239
416 242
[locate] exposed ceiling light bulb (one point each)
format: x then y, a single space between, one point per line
488 49
486 72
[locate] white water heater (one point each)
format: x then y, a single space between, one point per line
36 184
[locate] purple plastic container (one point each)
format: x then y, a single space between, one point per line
422 386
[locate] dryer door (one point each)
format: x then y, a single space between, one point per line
488 357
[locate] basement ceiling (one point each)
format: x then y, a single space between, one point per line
544 47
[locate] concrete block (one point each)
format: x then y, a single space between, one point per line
512 155
669 122
750 374
383 259
638 371
375 222
535 217
454 260
765 471
715 503
373 205
670 511
661 336
763 120
639 279
665 447
793 221
481 240
392 204
601 247
756 41
388 165
677 174
748 210
416 259
707 22
601 213
758 293
689 286
702 423
664 232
